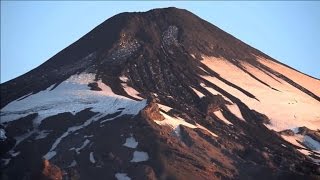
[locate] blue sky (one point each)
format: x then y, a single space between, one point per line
32 32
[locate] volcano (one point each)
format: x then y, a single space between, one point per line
160 94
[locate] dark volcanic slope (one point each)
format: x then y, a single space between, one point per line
159 54
195 36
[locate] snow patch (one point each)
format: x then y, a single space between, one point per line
109 119
122 176
305 152
91 157
295 130
24 96
5 161
303 140
164 107
139 156
202 127
42 134
294 139
234 109
23 137
2 134
197 92
123 78
69 131
214 92
15 154
131 142
72 164
221 117
85 143
88 136
50 155
305 144
130 91
175 122
311 143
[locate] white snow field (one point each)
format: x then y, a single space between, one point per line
287 106
72 95
122 176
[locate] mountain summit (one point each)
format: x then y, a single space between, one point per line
161 94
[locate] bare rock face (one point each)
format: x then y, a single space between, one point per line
287 132
309 132
152 111
94 87
50 171
143 96
210 105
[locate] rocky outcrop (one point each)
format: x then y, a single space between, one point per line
50 171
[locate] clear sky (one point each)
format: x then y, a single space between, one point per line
32 32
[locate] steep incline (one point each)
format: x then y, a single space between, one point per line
160 95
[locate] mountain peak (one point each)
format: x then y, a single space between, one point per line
160 94
167 10
195 34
